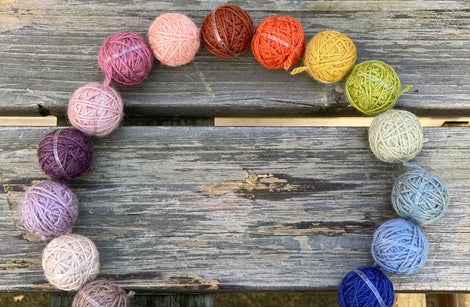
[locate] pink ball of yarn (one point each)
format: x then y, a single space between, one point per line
125 58
174 39
95 109
48 209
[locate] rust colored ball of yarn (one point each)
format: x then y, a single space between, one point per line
227 31
101 293
279 41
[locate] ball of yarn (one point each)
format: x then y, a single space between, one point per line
95 109
174 39
396 136
125 58
420 196
279 41
70 261
399 247
366 287
48 209
373 87
65 154
329 56
227 31
101 293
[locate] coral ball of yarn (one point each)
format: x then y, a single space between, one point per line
174 39
396 136
125 58
48 209
373 87
65 154
101 293
329 56
399 247
70 261
227 31
366 287
420 196
95 109
279 41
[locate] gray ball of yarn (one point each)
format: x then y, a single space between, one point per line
396 136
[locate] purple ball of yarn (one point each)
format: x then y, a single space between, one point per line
48 209
65 154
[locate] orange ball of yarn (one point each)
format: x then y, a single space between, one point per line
227 31
279 41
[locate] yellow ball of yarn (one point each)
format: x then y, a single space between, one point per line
329 57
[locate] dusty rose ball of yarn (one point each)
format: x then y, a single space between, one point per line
70 261
125 58
95 109
101 293
65 154
174 39
48 209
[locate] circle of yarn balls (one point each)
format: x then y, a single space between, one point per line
48 209
399 247
420 196
227 31
70 261
95 109
355 291
65 154
373 87
174 39
279 41
396 136
101 293
125 58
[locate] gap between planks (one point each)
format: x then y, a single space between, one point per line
31 121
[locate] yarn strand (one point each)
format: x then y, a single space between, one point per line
217 35
371 287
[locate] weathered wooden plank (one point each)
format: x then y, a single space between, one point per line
217 209
48 51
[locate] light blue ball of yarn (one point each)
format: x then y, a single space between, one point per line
420 196
399 247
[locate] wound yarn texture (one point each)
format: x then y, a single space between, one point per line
101 293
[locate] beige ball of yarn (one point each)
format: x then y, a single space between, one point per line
396 136
101 293
70 261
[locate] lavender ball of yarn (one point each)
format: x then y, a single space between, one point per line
101 293
48 209
420 196
65 154
399 247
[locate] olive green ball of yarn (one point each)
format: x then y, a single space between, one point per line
396 136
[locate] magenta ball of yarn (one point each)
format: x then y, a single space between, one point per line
65 154
174 39
48 209
95 109
125 58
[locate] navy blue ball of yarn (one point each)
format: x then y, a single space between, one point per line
366 287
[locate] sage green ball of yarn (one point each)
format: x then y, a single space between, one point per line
396 136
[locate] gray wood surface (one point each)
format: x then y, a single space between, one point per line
48 49
231 209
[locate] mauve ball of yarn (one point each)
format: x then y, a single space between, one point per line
101 293
48 209
95 109
399 247
125 58
227 31
396 136
70 261
65 154
420 196
174 39
366 287
279 41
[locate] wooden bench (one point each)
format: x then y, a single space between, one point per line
204 209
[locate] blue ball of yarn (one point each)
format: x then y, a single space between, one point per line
399 247
366 287
420 196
